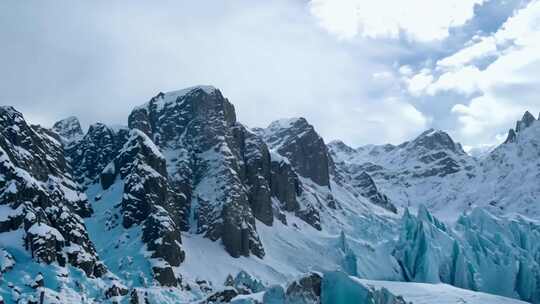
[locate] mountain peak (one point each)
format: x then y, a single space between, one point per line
434 139
286 123
340 149
526 121
162 99
297 140
69 129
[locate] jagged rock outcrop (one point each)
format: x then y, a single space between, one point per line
95 150
149 200
297 140
432 164
354 175
38 196
222 296
255 170
367 188
526 121
69 129
307 289
436 149
300 161
511 137
285 185
194 128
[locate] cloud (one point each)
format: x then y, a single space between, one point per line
487 46
99 59
418 83
423 20
486 113
497 92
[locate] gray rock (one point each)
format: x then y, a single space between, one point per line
69 129
197 128
255 172
365 184
93 152
35 183
116 290
223 296
298 141
285 185
150 200
526 121
305 290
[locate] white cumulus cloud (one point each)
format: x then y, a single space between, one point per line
423 20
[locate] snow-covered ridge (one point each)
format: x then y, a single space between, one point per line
162 99
192 206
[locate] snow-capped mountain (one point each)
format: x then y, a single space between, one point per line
434 170
186 204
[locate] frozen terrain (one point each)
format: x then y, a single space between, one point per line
187 205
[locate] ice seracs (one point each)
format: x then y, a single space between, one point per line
186 204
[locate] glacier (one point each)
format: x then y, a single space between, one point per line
188 205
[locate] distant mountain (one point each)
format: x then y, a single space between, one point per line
188 205
434 170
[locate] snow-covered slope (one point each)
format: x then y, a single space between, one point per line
421 293
186 205
434 170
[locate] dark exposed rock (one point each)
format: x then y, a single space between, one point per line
255 172
435 140
365 184
165 275
69 129
223 296
526 121
196 127
150 200
163 237
39 281
305 290
44 200
511 137
285 185
116 290
437 150
310 215
137 297
91 154
298 141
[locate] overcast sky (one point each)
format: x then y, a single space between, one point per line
359 70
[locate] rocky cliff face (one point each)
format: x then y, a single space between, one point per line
39 198
526 121
149 200
89 155
187 178
297 140
69 129
431 166
195 130
355 175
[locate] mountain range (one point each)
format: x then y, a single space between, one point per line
187 205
